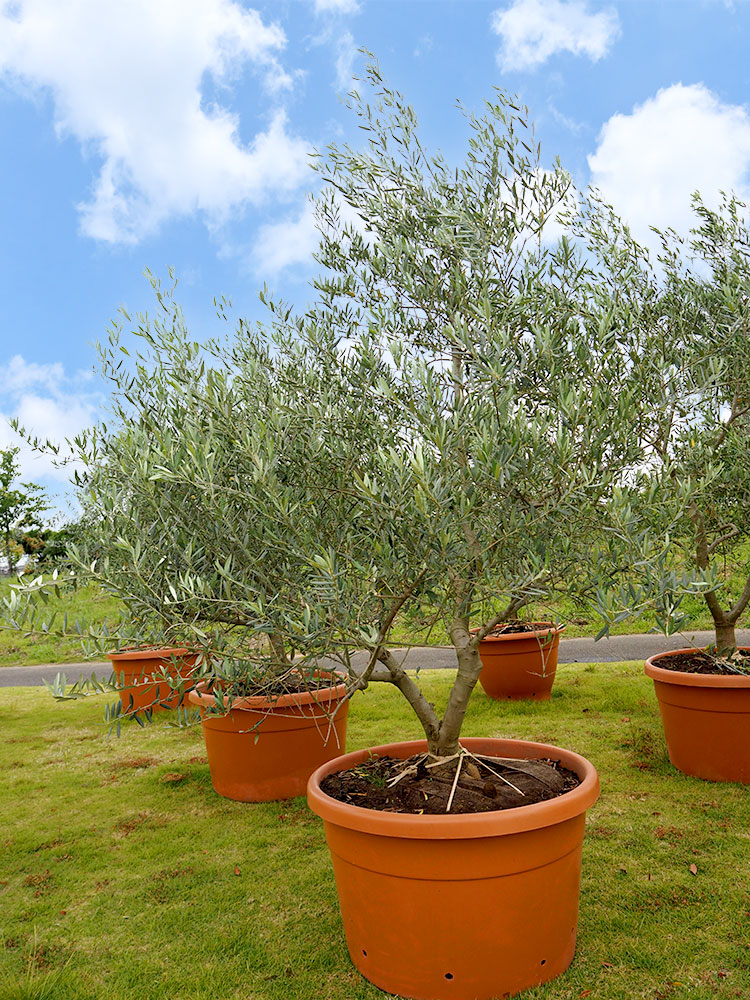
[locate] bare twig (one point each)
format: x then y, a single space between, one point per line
455 782
484 763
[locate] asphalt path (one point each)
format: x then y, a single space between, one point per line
609 650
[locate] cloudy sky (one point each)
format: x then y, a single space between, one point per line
153 133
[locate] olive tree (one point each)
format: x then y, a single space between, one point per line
507 408
691 309
443 429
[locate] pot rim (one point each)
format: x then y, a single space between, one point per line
149 653
545 629
687 679
466 825
254 703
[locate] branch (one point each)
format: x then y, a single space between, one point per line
422 708
383 632
744 599
381 675
735 414
702 558
513 606
732 533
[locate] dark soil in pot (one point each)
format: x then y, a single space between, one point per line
272 685
518 628
703 662
423 784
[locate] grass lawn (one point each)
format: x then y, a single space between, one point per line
89 605
123 875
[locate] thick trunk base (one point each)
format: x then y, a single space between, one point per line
725 637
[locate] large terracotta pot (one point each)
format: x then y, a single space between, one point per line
263 750
519 665
464 907
706 720
135 669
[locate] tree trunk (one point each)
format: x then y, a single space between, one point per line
725 635
278 649
469 668
724 620
11 565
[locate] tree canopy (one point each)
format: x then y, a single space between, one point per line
21 505
467 417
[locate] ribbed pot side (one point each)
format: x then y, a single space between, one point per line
467 907
706 720
263 750
520 665
136 667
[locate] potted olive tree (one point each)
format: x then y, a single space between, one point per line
443 430
694 313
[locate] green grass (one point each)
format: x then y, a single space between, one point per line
117 859
90 605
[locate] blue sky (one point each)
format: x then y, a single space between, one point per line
153 133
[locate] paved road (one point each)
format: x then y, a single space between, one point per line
619 647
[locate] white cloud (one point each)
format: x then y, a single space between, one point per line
571 124
127 82
293 241
49 405
288 243
19 374
648 163
336 6
425 44
534 30
346 54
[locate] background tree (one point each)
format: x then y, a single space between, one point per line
55 543
21 505
693 312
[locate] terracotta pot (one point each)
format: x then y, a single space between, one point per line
463 907
706 720
520 665
135 669
263 750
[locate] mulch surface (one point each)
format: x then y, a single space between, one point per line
518 628
424 784
270 685
704 662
